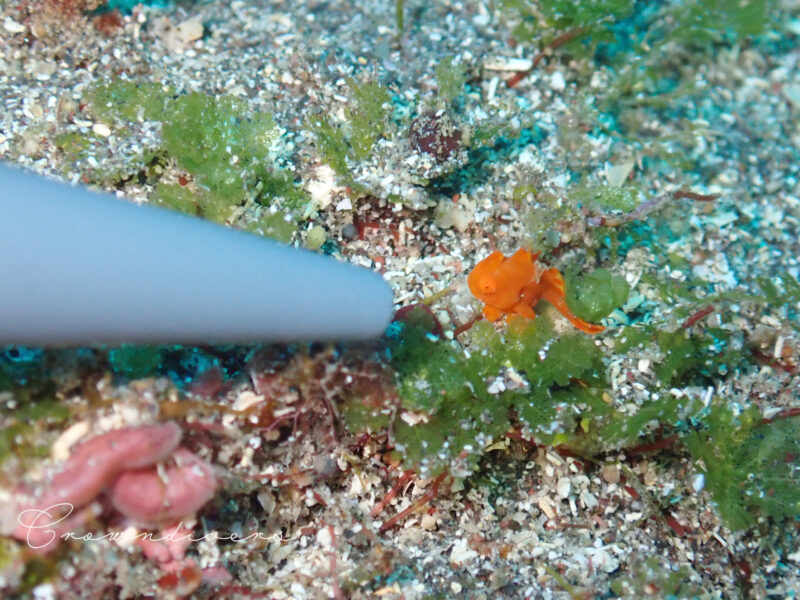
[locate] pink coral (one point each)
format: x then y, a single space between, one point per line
124 462
142 495
97 461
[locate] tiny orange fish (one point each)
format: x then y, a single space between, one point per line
513 286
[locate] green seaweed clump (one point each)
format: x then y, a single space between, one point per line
179 198
457 400
74 145
751 466
607 197
367 117
224 146
220 142
34 405
655 576
620 430
366 123
534 20
135 362
545 215
688 356
332 144
126 101
588 24
593 296
702 22
450 78
787 299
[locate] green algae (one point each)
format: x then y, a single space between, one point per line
750 466
176 197
135 362
707 21
315 237
219 141
86 153
449 407
458 410
367 117
535 20
450 412
226 149
74 145
332 144
35 407
121 101
785 298
544 218
644 575
684 354
595 295
366 122
607 197
450 78
280 226
598 25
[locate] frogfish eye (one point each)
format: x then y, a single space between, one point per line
488 285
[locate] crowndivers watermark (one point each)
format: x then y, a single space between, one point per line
42 525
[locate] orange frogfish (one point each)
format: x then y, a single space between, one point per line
513 285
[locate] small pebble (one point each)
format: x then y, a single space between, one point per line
611 473
101 129
697 482
349 232
557 81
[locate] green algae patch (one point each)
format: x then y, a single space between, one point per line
87 153
544 217
360 416
750 466
450 77
219 141
643 575
120 100
706 21
228 151
695 356
786 298
620 430
589 26
683 354
367 118
174 196
315 237
279 226
75 146
35 407
332 144
532 21
456 400
607 197
135 362
595 295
